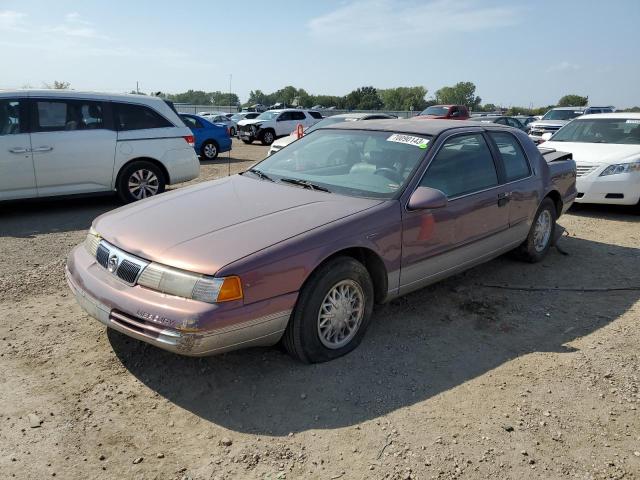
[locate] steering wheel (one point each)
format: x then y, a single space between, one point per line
391 174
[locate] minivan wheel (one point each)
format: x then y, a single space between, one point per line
209 150
140 179
540 237
332 313
267 137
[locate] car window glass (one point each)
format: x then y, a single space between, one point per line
317 115
463 165
284 117
138 117
515 162
9 117
61 115
298 116
190 122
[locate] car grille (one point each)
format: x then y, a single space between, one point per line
582 170
126 267
541 130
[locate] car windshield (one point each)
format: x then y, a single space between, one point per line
237 117
562 114
267 115
439 111
360 163
600 130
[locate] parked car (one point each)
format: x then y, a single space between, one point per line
350 215
606 149
556 118
210 139
272 124
500 120
243 116
64 142
221 119
448 112
345 117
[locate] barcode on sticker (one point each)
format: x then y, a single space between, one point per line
633 121
408 139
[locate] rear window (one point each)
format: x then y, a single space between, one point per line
138 117
317 115
439 111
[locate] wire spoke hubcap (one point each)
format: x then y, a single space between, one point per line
143 183
542 231
340 314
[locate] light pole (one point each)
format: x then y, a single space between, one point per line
230 77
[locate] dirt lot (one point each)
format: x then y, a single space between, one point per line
460 380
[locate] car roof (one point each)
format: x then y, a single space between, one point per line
66 93
614 116
417 126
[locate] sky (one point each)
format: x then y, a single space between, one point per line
517 52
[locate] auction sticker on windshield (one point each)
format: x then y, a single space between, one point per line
409 140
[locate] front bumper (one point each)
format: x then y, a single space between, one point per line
176 324
620 189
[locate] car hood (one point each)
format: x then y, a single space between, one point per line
205 227
597 153
251 121
284 141
549 123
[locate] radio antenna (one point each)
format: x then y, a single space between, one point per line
229 130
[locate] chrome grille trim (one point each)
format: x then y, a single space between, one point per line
126 268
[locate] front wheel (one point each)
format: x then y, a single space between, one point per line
540 237
332 312
244 140
232 132
267 137
138 180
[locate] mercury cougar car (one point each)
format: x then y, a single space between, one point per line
298 248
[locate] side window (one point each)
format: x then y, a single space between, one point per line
190 122
138 117
298 116
10 117
515 162
67 115
284 116
317 115
463 165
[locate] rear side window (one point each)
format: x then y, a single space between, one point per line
317 115
463 165
191 122
10 123
138 117
298 116
515 163
285 116
68 115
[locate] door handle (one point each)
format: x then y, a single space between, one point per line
42 149
504 198
19 150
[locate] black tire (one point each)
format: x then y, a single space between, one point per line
531 250
267 137
247 141
302 337
140 169
209 150
232 132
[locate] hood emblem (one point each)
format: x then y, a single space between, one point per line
112 264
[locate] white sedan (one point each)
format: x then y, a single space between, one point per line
606 149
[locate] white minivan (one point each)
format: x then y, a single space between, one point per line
61 142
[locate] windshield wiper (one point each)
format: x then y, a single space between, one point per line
261 174
305 184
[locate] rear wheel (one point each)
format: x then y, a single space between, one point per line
244 140
140 179
232 132
209 150
267 137
540 237
332 312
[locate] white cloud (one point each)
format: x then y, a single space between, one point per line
11 20
564 66
75 26
386 22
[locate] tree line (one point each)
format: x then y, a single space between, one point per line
364 98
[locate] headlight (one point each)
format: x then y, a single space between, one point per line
92 241
190 285
621 168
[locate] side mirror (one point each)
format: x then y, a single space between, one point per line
425 198
547 136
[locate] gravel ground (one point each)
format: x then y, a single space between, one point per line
460 380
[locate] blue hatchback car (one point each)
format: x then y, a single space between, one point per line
210 138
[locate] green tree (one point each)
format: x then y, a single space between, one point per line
573 100
195 97
462 93
404 98
364 98
58 85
